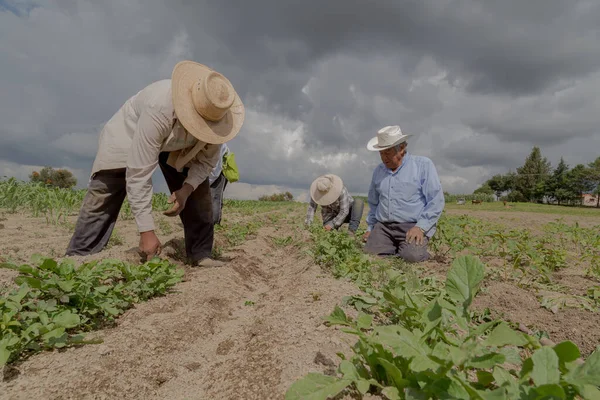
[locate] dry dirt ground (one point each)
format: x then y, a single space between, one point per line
246 330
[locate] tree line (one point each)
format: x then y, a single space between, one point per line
536 181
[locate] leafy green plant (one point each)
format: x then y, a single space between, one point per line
115 239
237 234
165 227
338 252
283 241
160 202
56 301
433 350
594 294
126 214
559 301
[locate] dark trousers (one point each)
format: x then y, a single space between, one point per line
105 196
217 189
354 215
390 239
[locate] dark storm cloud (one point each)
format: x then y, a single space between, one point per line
481 150
510 46
477 82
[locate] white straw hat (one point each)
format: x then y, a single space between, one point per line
387 137
326 189
206 103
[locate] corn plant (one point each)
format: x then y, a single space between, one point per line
160 202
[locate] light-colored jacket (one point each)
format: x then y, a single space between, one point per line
145 126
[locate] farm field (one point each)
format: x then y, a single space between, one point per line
272 322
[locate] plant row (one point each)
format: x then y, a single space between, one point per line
56 302
418 338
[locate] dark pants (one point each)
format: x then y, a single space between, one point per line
390 239
103 201
354 215
217 188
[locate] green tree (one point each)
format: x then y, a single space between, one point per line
516 197
578 183
484 189
593 177
532 176
502 183
557 185
62 178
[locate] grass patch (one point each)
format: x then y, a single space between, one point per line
528 207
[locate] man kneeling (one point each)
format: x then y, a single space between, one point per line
337 206
405 199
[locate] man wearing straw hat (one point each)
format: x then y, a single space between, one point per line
337 206
176 124
405 199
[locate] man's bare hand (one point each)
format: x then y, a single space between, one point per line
415 234
327 228
366 236
149 244
178 199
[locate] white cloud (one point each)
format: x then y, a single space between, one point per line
335 161
179 49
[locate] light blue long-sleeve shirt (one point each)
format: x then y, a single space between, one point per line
411 194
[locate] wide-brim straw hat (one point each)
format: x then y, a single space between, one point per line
386 138
326 189
206 103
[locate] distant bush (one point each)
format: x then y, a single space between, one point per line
61 178
453 198
514 197
287 196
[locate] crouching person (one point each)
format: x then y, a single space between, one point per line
337 206
405 199
176 124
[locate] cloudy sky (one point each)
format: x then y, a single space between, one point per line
477 82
